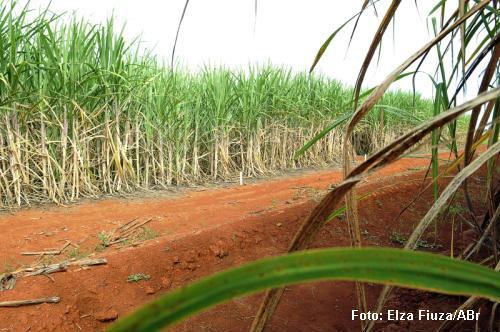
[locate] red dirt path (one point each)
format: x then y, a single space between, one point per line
201 232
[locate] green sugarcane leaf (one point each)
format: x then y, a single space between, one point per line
339 121
411 269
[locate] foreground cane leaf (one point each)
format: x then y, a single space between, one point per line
327 42
437 207
376 42
178 31
441 274
322 134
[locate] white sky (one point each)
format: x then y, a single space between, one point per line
288 32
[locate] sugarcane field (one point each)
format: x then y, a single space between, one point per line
249 165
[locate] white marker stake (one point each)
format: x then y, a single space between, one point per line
365 156
241 178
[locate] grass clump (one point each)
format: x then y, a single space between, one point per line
400 239
138 277
103 238
147 234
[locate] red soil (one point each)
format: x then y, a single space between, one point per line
201 232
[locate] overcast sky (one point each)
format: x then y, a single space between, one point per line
287 32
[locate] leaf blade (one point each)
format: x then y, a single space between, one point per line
442 274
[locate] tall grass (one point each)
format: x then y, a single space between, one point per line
84 112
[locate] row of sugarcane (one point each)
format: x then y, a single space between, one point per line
83 113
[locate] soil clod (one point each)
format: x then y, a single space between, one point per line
106 315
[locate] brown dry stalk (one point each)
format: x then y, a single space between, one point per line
351 203
486 232
488 75
461 9
391 11
52 299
